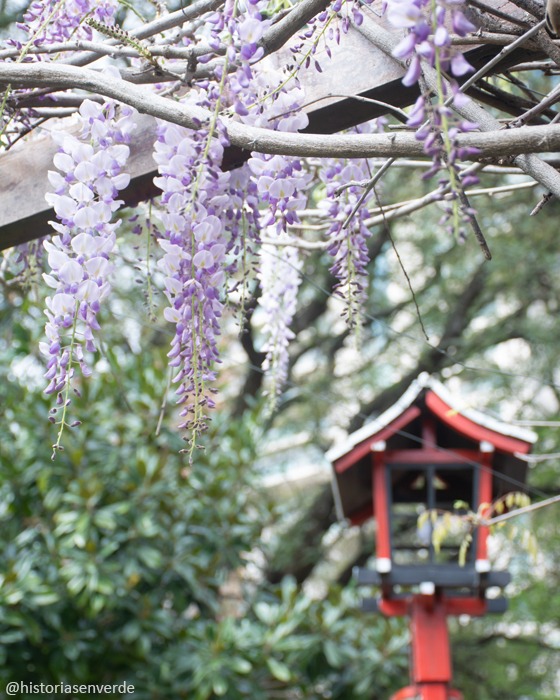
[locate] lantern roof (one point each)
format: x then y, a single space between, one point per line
455 431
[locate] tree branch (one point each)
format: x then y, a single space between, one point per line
530 164
279 33
518 511
161 24
491 143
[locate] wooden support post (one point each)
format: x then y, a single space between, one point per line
485 496
381 508
431 656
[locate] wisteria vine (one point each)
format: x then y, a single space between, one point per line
215 225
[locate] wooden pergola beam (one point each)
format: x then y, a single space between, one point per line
357 69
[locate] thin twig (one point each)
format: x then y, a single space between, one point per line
486 38
164 402
400 114
370 185
296 243
401 264
109 49
545 66
528 92
399 209
157 26
503 53
475 225
545 199
519 511
547 101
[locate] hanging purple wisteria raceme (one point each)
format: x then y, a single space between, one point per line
428 39
282 184
194 245
85 199
201 223
45 24
279 277
346 206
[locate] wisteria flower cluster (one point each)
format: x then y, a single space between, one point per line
279 277
85 198
326 28
347 208
47 23
282 184
271 98
194 244
428 39
50 22
210 216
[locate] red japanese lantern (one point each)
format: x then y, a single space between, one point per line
427 455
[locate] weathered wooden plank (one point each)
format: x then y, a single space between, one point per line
357 68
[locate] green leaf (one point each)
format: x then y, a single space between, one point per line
12 637
333 653
44 599
131 631
14 597
150 557
266 613
279 670
240 665
219 686
105 518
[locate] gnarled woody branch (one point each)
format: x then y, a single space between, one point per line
524 157
491 144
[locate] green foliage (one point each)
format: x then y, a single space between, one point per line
106 556
116 557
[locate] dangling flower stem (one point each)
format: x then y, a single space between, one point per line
67 384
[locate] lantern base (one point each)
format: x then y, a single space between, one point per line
427 692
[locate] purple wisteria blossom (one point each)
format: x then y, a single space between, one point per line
325 29
427 39
90 173
279 277
50 22
194 201
348 233
282 185
212 219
